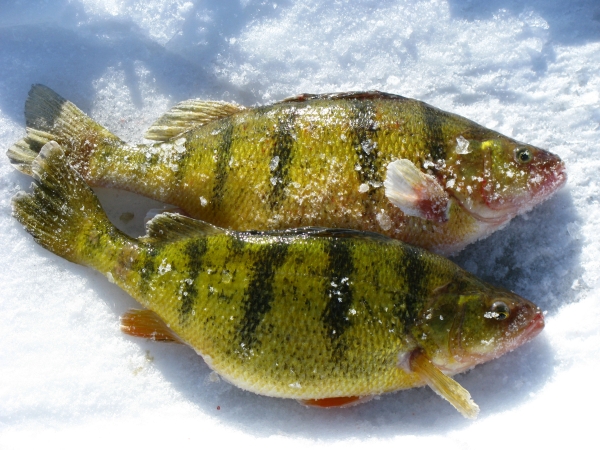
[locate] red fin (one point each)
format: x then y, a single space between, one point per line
335 402
415 192
147 324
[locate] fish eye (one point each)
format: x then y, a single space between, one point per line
500 310
523 155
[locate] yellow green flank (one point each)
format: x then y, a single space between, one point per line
324 316
369 161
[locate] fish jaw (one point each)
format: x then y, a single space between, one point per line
546 177
529 324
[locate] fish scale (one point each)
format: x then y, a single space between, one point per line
368 161
326 316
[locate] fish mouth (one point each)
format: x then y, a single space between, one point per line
533 329
535 326
465 359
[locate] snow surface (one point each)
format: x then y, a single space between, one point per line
529 69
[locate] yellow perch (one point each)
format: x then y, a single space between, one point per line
325 316
362 160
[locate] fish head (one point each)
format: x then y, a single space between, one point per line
463 328
496 178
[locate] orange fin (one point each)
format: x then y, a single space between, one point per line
443 385
415 192
147 324
335 402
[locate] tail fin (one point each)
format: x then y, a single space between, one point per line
64 215
49 117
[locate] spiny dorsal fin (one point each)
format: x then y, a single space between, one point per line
187 115
353 95
168 227
173 227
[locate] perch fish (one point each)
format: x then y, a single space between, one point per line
326 316
368 161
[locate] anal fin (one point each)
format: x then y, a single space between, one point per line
416 193
443 385
147 324
335 402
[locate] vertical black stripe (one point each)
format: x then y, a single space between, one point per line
411 268
195 251
259 295
364 140
223 157
282 156
147 267
339 293
182 158
433 123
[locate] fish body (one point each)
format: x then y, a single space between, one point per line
368 161
310 313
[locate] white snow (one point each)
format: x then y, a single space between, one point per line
527 68
462 146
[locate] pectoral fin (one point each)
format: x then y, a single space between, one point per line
443 385
416 193
147 324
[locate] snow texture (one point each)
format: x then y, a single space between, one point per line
528 68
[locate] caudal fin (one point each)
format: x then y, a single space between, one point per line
63 214
49 117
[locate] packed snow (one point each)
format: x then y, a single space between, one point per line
529 69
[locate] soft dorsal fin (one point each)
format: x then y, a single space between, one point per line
173 227
416 193
353 95
187 115
167 227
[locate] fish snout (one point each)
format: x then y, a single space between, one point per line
551 171
535 326
529 322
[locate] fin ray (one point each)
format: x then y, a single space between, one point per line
62 208
415 192
336 402
187 115
169 226
49 117
443 385
147 324
320 232
352 95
